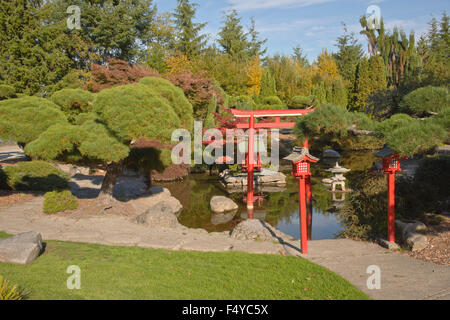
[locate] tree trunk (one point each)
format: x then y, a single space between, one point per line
149 180
113 171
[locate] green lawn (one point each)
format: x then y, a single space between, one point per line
111 272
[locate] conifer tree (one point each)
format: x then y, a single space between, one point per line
232 37
189 40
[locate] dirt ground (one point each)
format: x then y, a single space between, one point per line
438 248
8 198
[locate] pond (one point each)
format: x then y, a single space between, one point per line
279 206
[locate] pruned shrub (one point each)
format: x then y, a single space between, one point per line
136 110
73 101
36 176
58 201
7 92
302 102
9 291
24 119
271 100
427 99
242 102
174 96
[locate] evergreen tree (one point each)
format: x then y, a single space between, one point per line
348 56
189 40
268 86
300 57
362 85
255 45
232 37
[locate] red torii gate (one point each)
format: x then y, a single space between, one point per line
252 125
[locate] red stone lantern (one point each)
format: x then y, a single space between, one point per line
391 165
301 169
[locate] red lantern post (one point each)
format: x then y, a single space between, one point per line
301 160
391 165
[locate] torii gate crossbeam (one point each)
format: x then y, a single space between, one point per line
251 115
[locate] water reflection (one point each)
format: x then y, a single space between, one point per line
278 206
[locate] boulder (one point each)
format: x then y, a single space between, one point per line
254 229
22 248
156 195
412 234
221 204
330 153
161 215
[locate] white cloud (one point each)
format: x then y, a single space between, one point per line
244 5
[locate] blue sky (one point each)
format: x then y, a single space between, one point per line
313 24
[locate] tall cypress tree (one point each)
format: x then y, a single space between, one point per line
189 40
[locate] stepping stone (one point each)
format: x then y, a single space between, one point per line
22 248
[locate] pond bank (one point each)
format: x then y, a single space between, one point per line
402 277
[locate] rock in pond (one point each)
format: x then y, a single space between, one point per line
330 153
161 215
220 204
22 248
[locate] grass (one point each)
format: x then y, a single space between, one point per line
112 272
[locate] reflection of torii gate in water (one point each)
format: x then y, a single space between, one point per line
252 125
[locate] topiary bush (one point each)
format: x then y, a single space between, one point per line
426 99
302 102
271 100
7 92
175 97
135 110
36 176
73 101
24 119
242 102
58 201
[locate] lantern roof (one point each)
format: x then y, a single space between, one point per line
385 152
299 153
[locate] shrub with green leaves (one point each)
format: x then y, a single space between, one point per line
58 201
3 180
24 119
174 96
271 100
427 99
7 92
242 102
302 102
73 101
328 120
36 176
8 291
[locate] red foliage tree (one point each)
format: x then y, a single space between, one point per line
199 89
117 72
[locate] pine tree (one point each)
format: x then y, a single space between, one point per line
255 45
348 56
299 56
232 37
189 40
